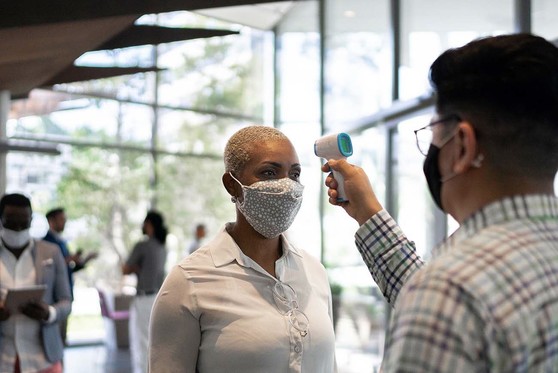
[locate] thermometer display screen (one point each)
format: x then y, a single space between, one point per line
345 144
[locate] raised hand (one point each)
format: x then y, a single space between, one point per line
362 202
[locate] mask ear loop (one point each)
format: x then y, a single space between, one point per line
234 199
477 163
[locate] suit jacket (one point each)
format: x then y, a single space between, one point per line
50 269
50 237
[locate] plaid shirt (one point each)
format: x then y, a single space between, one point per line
486 302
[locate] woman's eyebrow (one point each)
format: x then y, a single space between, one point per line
279 164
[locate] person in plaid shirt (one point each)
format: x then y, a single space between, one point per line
487 301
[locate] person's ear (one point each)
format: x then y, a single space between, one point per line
229 183
467 148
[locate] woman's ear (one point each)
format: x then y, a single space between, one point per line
227 183
466 151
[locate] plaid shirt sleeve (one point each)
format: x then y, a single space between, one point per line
432 320
390 257
438 326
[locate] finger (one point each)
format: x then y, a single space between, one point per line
331 182
333 164
340 165
325 167
332 194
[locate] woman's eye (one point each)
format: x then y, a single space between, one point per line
269 173
295 176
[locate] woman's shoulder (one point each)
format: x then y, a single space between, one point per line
309 260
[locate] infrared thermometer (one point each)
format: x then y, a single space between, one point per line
335 146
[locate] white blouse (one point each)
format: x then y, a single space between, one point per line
217 312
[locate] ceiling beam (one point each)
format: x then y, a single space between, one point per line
136 35
32 55
18 13
82 73
9 145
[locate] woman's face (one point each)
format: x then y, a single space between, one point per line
269 161
147 227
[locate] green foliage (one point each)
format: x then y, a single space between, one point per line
103 188
222 79
111 190
336 289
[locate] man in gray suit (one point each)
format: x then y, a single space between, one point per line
29 337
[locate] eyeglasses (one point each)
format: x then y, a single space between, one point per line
286 301
424 134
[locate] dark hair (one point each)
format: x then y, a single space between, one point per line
507 87
14 199
51 214
156 219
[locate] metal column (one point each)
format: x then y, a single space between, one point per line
323 191
522 16
4 110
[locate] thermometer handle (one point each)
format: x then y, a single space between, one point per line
341 196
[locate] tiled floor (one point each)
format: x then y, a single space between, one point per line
96 358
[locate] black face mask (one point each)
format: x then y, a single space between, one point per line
432 174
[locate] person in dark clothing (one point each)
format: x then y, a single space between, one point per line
75 262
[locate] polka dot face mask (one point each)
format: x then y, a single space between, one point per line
270 206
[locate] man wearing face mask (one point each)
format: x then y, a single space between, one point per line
488 299
30 340
249 300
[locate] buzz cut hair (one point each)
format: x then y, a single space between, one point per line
237 150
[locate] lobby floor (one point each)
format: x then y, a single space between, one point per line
96 358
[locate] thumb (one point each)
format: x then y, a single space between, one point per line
339 165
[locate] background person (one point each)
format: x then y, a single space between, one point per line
30 341
488 299
248 301
147 261
199 235
75 262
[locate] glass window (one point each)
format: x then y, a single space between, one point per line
225 74
416 213
358 60
544 18
431 26
298 66
82 119
182 131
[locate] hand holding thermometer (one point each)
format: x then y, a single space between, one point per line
335 146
